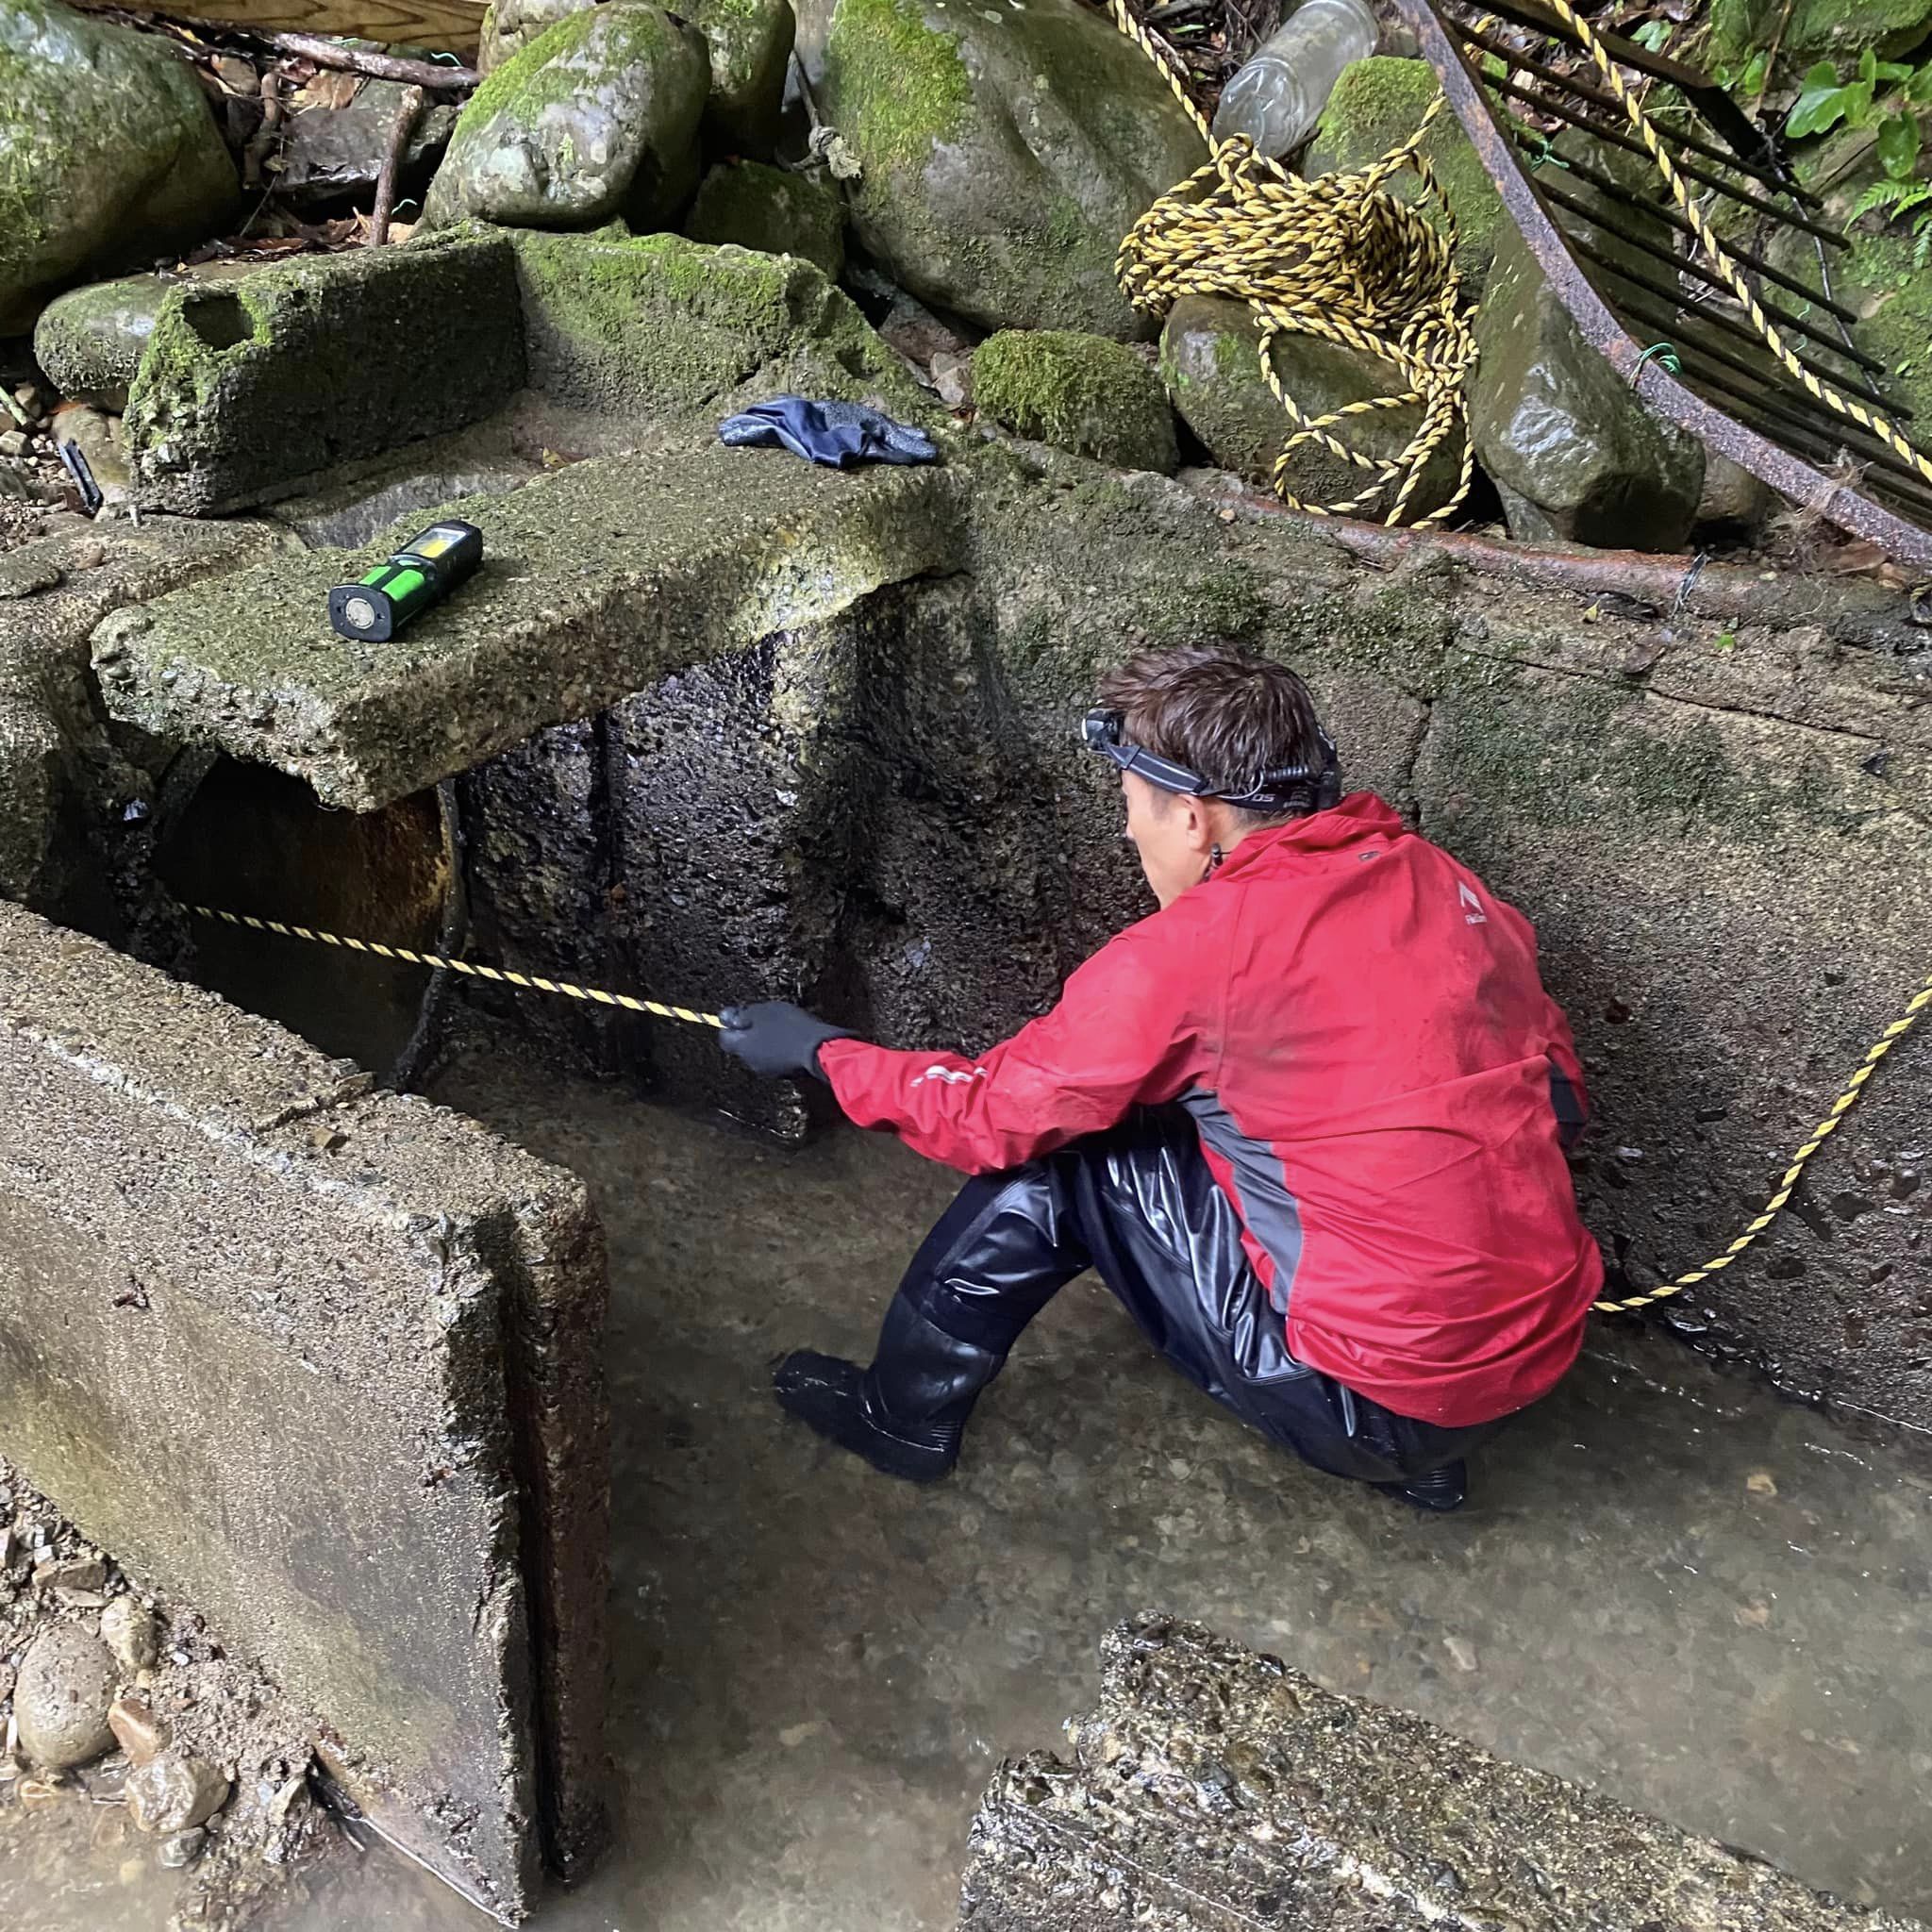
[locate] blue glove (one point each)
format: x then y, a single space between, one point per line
835 434
776 1038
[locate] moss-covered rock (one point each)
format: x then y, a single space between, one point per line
751 45
1082 392
510 26
595 119
771 212
1377 104
1804 29
90 341
659 327
245 388
108 154
1211 360
1006 151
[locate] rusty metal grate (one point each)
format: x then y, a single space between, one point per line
1592 221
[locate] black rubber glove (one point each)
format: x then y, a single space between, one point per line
776 1038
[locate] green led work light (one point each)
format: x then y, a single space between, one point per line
420 574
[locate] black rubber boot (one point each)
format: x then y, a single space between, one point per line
906 1413
1440 1491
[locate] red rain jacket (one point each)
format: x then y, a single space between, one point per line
1381 1085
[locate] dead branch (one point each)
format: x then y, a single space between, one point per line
263 139
408 109
326 52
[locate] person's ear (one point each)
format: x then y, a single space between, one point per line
1199 825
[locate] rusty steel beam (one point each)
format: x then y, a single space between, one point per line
1789 474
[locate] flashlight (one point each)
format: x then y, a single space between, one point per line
420 574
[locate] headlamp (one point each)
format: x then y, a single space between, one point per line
1288 788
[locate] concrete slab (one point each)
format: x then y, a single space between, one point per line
598 580
1214 1787
327 1365
246 388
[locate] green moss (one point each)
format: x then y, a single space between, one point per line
660 325
1805 28
771 212
899 84
543 73
1894 300
1080 392
1377 104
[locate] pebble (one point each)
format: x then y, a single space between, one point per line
71 1572
14 443
132 1632
182 1849
137 1729
1462 1651
60 1701
174 1791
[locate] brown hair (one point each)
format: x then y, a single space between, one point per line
1220 710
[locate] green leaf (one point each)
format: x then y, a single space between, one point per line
1757 73
1898 145
1725 641
1821 102
1654 34
1868 66
1919 89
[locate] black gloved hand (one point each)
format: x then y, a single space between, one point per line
776 1038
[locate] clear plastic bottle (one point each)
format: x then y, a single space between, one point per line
1277 96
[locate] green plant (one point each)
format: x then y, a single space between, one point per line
1825 101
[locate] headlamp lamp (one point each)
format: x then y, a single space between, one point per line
1285 789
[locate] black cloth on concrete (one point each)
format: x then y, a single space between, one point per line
1140 1205
835 434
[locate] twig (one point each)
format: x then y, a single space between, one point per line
408 109
326 52
263 138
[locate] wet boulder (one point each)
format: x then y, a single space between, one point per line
595 119
1004 151
771 212
332 155
108 154
1211 360
749 44
1574 452
1377 104
60 1698
1080 392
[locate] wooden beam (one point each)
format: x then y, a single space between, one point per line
452 25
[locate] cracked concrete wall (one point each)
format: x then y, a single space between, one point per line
1214 1787
325 1363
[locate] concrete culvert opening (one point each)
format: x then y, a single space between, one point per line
219 321
249 839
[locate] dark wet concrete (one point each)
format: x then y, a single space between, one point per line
1669 1584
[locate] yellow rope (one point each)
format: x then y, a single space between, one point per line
1722 258
1339 257
529 982
1820 1135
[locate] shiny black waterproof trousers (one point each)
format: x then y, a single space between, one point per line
1140 1205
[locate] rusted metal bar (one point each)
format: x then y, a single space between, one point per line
1689 265
1715 319
1585 91
1790 474
1607 184
1696 86
1619 137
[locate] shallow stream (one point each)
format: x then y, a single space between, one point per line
1703 1600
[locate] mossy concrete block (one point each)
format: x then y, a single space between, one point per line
1006 151
1081 392
1377 104
1572 450
1839 30
90 341
594 120
1210 360
598 579
246 390
750 43
300 1312
107 151
1214 1787
771 212
660 327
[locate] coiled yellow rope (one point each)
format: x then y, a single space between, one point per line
1339 257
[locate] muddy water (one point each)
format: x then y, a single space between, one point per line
1695 1596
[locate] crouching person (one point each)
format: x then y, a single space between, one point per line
1308 1122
